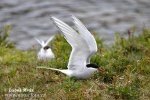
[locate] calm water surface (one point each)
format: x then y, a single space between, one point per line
31 18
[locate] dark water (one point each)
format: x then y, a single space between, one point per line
31 18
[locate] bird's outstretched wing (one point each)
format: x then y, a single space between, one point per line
87 36
49 40
80 49
40 42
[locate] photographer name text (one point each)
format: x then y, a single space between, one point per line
14 90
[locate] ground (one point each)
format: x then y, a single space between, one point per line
124 75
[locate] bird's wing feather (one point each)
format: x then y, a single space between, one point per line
80 49
87 36
49 40
40 42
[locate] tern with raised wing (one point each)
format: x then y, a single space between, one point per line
45 52
83 47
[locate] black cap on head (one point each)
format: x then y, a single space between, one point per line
92 66
46 47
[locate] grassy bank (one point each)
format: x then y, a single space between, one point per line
125 73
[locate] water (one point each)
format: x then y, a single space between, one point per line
31 18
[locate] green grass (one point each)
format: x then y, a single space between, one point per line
124 76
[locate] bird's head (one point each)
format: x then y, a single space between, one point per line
93 66
46 48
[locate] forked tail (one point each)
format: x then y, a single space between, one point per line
64 71
49 68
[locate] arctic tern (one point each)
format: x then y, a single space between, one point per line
83 47
45 52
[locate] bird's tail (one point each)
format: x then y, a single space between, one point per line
49 68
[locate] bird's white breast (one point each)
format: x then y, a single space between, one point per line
45 54
83 74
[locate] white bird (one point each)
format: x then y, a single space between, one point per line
83 47
45 52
